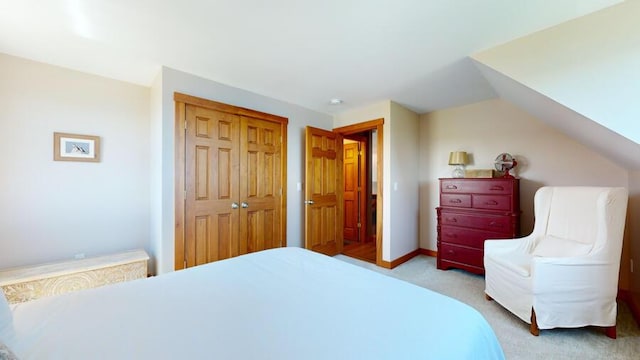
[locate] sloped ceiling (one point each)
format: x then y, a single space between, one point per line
610 144
581 77
414 52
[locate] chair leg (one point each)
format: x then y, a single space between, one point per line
610 331
533 329
486 296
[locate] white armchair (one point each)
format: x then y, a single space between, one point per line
565 273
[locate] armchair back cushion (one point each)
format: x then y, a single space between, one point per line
572 214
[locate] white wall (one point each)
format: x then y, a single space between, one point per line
163 246
155 180
486 129
53 210
404 163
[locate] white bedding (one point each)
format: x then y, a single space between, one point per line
285 303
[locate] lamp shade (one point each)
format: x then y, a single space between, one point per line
458 158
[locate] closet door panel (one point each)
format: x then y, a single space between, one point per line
262 230
211 173
260 184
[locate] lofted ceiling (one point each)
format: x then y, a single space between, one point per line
414 52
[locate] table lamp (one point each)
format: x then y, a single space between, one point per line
459 159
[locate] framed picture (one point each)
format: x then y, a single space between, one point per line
74 147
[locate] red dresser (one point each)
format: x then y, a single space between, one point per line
471 211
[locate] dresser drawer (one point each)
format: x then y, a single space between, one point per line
455 200
498 187
492 202
455 186
461 254
467 237
500 224
478 186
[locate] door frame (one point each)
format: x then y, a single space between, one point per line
362 201
181 101
378 125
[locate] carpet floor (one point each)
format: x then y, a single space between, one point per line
513 333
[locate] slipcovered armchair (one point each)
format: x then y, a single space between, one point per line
565 273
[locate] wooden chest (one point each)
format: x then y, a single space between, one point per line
33 282
471 211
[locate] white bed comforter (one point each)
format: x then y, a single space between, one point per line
285 303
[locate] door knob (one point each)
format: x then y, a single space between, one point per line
245 205
309 202
234 205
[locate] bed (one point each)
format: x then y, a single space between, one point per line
285 303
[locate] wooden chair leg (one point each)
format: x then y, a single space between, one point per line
610 331
486 296
533 329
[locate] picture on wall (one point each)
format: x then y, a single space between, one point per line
74 147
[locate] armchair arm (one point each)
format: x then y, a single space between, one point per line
521 245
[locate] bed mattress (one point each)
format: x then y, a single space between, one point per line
285 303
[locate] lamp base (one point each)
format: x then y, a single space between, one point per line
458 172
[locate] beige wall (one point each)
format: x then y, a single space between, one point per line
486 129
53 210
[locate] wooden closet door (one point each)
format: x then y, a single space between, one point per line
260 185
230 181
212 156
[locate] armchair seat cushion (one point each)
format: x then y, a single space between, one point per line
519 263
551 246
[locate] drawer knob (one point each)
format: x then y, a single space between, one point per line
451 187
452 235
491 202
495 224
497 187
453 220
455 201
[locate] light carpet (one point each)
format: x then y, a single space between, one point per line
513 333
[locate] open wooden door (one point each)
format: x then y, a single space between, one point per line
323 191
